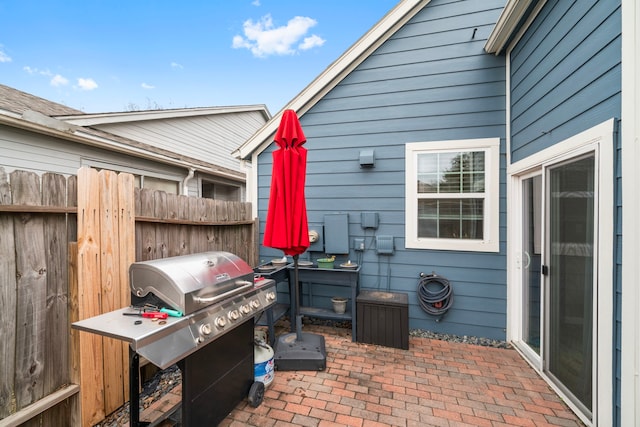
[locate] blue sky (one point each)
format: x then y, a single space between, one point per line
106 56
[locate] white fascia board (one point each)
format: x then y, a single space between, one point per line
335 72
512 13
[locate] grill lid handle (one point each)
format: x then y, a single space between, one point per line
241 286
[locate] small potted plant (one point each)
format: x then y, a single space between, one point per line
326 262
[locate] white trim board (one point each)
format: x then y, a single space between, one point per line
630 139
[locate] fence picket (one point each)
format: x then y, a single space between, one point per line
146 237
31 301
56 370
89 246
8 299
110 287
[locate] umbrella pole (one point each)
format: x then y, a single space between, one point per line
296 285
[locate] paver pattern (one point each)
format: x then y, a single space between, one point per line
434 383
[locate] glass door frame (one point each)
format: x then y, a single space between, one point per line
597 140
516 295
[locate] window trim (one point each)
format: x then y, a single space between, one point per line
229 183
491 147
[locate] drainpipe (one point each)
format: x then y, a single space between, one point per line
185 182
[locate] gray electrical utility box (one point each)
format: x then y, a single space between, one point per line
336 233
369 219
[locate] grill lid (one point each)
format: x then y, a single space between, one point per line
191 282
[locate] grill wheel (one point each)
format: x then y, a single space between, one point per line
256 394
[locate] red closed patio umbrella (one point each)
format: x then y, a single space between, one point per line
287 229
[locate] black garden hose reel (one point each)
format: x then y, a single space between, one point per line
435 295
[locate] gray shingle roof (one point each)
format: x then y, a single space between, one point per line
18 102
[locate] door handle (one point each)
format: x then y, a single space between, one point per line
528 257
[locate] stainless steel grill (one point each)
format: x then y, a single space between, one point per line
216 293
191 282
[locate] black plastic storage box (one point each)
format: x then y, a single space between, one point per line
383 319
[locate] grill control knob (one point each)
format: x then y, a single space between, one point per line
255 303
221 322
271 296
234 315
205 329
245 309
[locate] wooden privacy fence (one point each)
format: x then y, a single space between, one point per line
51 281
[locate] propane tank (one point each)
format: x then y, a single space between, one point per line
262 359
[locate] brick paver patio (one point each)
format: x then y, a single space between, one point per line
434 383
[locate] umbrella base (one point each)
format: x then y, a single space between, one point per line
305 354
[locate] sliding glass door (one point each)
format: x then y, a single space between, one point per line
570 277
557 273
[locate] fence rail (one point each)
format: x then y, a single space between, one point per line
65 248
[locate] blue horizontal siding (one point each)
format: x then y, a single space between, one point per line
403 96
430 81
567 56
565 74
598 74
552 128
433 87
459 121
441 68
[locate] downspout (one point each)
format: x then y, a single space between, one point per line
185 182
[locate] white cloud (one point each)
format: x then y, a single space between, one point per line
87 84
176 65
58 80
3 56
256 2
33 71
263 39
147 86
311 42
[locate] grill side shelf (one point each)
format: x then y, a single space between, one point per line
115 325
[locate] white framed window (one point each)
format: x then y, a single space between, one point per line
221 191
452 195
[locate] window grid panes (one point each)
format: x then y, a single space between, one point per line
451 187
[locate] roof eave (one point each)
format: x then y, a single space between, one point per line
334 73
507 24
